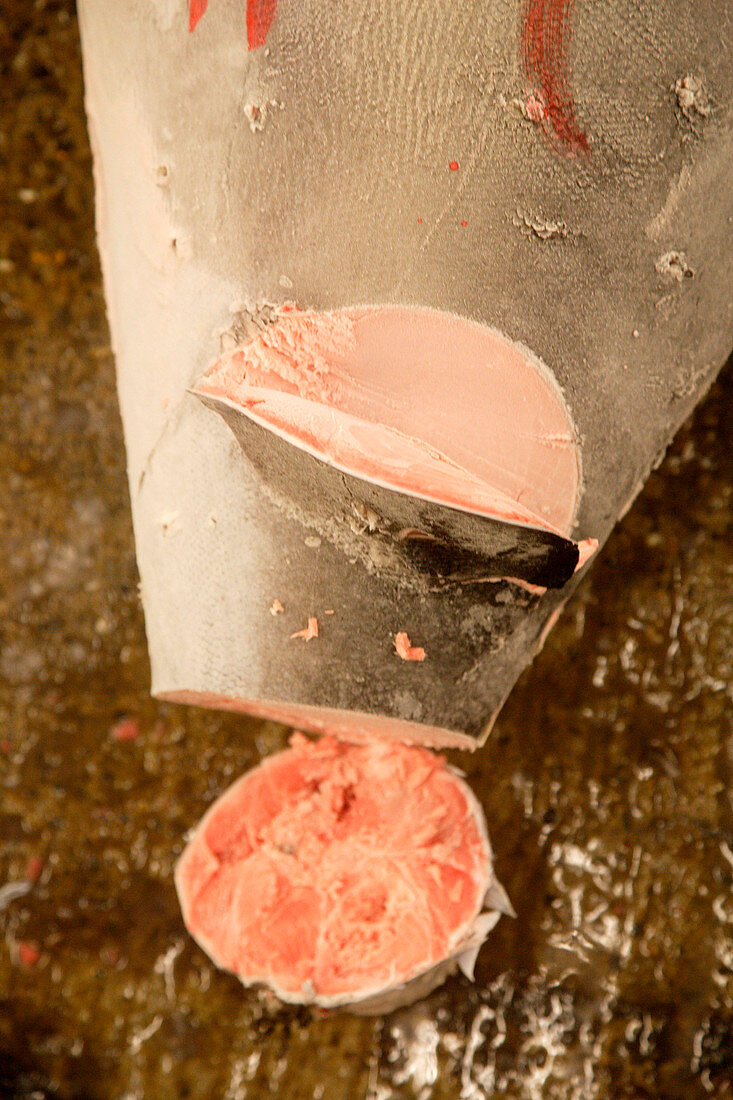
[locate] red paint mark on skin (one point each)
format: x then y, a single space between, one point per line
545 47
196 9
453 166
260 14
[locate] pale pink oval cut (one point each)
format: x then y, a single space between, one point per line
420 401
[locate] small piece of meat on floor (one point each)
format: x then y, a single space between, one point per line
308 632
28 954
127 729
406 650
34 869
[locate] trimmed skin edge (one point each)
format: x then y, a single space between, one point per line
465 943
337 481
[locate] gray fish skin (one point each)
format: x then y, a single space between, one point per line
612 262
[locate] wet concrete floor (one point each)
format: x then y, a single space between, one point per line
607 782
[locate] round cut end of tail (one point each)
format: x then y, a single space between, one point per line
339 874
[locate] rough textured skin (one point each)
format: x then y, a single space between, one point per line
337 167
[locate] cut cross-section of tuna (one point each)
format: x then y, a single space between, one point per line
453 442
339 874
422 400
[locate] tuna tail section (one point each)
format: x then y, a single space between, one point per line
328 170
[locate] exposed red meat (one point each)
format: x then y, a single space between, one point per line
28 953
406 650
309 631
335 873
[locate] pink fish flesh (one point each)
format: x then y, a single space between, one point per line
414 400
342 874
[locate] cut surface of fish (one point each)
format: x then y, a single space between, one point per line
419 401
347 725
342 875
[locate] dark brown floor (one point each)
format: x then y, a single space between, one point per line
607 783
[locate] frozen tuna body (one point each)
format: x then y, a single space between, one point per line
327 169
340 874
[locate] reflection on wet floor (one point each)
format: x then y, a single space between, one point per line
606 782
